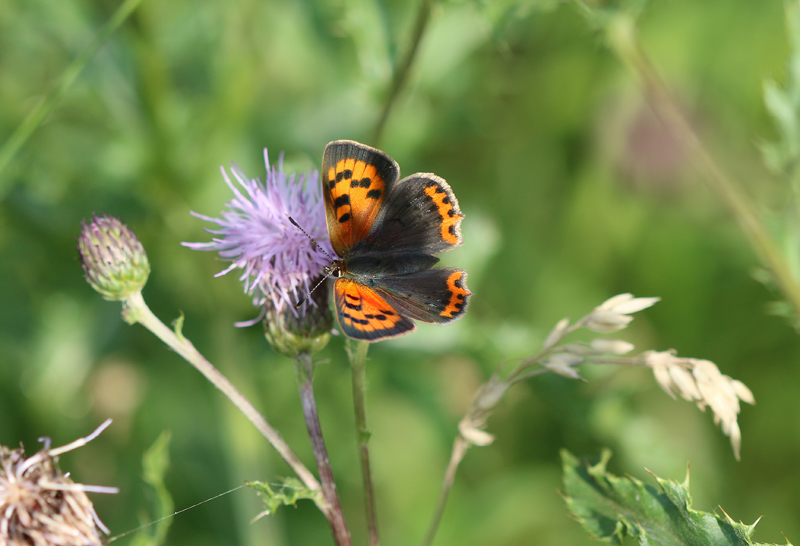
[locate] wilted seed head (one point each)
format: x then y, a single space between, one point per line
564 364
113 260
611 346
474 434
41 506
614 313
701 382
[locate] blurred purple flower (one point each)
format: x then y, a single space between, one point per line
280 264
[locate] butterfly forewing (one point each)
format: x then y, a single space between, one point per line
421 215
356 180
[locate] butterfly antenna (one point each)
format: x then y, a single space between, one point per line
322 280
316 244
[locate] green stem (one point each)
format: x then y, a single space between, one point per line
622 37
68 77
358 360
460 447
304 369
136 310
403 68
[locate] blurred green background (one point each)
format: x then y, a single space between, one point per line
572 193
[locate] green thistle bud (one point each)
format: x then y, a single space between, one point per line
294 331
113 260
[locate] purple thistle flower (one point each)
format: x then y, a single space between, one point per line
280 264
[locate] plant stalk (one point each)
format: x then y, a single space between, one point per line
624 42
358 360
460 447
304 369
136 310
46 104
403 68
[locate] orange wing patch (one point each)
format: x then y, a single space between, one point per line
356 192
458 294
450 218
363 314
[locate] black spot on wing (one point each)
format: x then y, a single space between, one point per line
341 201
346 174
344 217
365 182
354 319
374 194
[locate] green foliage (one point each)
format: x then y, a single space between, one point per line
783 103
570 196
289 492
611 507
155 463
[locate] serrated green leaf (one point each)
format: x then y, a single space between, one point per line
291 490
155 463
611 507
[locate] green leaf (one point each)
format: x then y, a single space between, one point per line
291 490
177 326
155 463
611 507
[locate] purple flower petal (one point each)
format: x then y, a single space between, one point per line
278 261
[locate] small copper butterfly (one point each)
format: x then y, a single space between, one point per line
386 232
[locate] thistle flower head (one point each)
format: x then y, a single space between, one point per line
41 506
113 260
279 264
277 260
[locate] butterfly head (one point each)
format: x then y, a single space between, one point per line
336 270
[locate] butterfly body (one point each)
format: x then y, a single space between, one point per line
386 232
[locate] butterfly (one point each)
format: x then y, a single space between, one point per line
386 232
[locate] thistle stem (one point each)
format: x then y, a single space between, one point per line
403 68
304 369
358 360
136 310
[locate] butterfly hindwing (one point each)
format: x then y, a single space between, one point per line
356 180
431 295
364 314
421 215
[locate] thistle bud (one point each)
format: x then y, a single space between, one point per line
113 260
304 330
